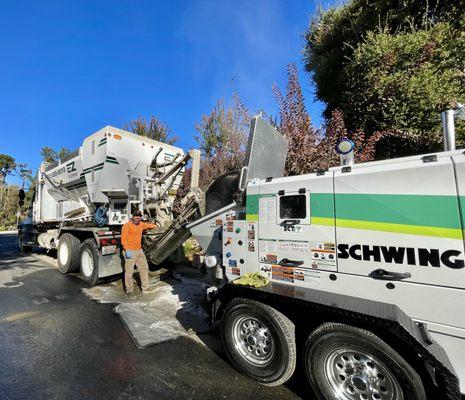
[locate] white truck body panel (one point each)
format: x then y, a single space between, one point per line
108 168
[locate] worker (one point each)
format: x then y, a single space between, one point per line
131 238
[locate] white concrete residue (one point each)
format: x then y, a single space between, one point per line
169 313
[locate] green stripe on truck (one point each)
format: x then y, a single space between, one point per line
426 215
421 210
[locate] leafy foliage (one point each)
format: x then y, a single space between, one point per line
7 165
9 206
309 149
9 193
49 154
390 64
222 140
152 129
25 174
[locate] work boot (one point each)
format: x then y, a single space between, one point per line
131 295
149 290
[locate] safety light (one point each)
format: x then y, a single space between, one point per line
344 146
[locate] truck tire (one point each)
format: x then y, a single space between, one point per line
89 258
68 253
259 340
344 362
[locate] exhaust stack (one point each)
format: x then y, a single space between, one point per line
448 125
448 129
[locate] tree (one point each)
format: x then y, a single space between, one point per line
296 126
222 139
24 173
7 165
309 149
152 129
51 155
9 193
389 64
9 206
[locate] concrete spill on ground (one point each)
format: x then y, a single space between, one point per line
20 316
171 312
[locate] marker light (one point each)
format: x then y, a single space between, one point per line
344 146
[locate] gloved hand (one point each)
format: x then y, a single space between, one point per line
128 253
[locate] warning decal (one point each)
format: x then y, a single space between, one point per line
281 273
323 255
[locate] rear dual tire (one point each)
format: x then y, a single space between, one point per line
68 253
346 363
341 362
89 258
72 255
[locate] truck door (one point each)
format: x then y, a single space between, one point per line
401 221
296 236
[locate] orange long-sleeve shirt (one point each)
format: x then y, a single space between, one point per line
131 234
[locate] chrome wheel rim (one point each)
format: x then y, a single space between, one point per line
253 340
63 253
356 375
87 263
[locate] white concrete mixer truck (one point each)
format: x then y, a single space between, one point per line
81 202
366 273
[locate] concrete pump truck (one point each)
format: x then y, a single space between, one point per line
366 270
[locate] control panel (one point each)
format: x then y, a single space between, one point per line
234 247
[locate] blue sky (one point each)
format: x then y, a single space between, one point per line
68 68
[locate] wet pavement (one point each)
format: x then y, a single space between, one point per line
55 343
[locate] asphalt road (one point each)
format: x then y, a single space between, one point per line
55 343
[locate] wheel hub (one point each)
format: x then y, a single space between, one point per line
359 382
63 253
354 375
253 339
87 263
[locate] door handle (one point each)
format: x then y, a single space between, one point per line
285 262
290 222
389 275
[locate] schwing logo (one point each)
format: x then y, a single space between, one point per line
401 255
70 167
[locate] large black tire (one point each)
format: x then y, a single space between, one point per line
88 260
345 362
259 340
68 253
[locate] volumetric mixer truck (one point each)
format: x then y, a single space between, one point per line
81 202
